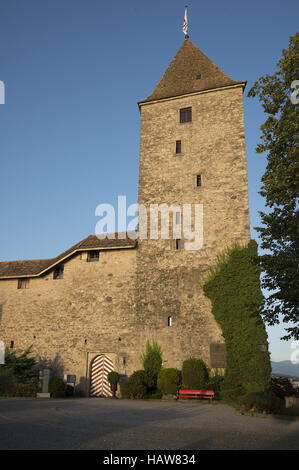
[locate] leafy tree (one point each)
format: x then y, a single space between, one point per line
279 233
113 377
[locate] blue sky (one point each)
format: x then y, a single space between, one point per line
69 129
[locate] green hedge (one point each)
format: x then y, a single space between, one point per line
133 390
215 383
195 374
168 381
136 385
234 290
57 388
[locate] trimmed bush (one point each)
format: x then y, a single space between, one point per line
125 389
139 377
57 388
69 391
133 390
266 402
168 381
136 385
157 394
215 383
152 363
195 374
113 377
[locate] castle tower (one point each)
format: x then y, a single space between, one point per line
192 151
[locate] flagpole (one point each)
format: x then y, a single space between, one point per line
185 26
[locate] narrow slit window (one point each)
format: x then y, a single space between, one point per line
177 218
178 146
198 180
11 345
58 272
169 321
178 244
185 115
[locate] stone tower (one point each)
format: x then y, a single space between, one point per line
192 151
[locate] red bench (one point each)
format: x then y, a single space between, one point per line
209 394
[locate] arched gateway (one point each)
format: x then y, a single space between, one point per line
100 368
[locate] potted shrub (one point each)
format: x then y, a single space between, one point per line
113 378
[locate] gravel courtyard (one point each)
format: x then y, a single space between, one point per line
95 423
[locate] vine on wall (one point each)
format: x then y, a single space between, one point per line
233 287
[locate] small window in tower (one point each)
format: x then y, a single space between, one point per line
198 180
58 272
169 321
23 283
93 256
178 244
186 115
11 345
178 146
198 76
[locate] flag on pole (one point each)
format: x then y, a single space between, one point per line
185 26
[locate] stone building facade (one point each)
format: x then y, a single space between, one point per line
106 298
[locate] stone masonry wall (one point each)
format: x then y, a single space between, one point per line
168 280
94 302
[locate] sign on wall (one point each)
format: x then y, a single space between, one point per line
218 355
71 379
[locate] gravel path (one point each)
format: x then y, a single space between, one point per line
95 423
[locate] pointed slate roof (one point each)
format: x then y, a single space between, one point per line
181 76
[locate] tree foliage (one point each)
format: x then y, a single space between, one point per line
234 290
279 233
21 365
113 377
152 362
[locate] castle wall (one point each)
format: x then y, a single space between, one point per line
94 302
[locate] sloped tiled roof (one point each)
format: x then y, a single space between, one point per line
38 266
180 77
